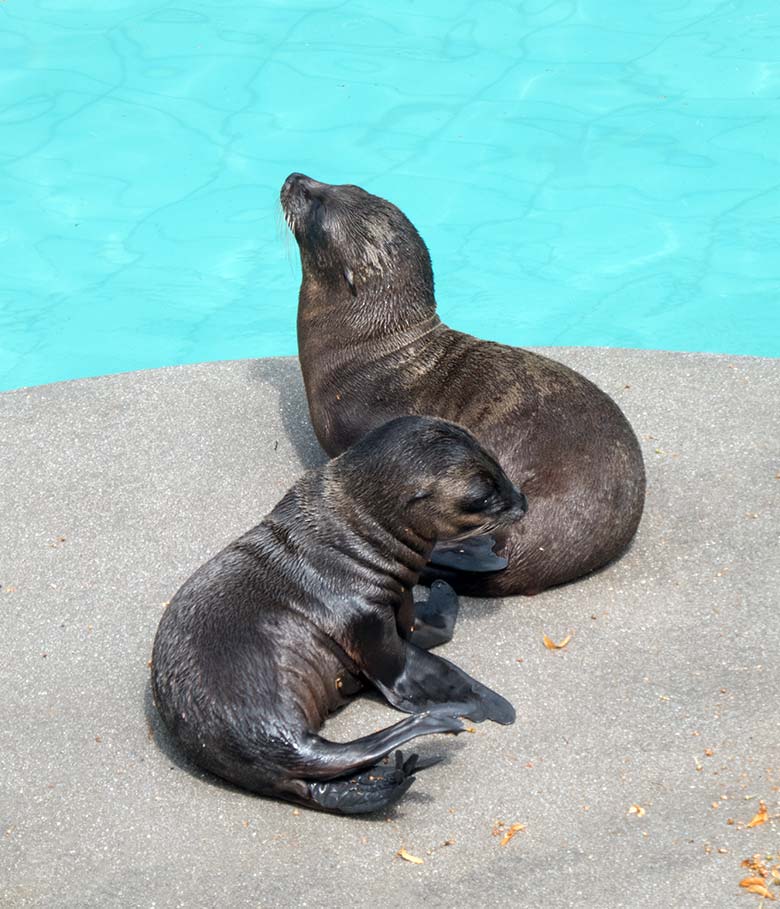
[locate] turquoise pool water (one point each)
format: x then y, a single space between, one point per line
594 172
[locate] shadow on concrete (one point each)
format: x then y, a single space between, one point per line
284 376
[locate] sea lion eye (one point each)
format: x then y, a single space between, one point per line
480 499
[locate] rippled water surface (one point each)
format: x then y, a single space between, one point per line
596 172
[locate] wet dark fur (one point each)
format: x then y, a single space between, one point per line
282 626
372 348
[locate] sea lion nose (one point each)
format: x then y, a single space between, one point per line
293 179
296 181
520 505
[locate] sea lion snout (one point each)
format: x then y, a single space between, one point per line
298 196
514 508
519 505
300 183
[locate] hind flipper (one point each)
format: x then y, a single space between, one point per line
375 789
434 618
320 759
474 554
350 777
426 681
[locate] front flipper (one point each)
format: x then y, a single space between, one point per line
427 681
416 681
434 618
474 554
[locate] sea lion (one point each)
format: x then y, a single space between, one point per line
372 348
283 625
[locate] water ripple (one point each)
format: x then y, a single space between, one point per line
584 173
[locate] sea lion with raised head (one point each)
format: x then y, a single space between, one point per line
372 348
278 629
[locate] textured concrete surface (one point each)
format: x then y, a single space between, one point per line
113 490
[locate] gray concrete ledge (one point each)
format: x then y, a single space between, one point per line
113 490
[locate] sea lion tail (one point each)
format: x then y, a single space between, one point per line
349 778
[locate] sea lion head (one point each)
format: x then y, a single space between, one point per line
354 243
433 477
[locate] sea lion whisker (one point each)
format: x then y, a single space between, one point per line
483 529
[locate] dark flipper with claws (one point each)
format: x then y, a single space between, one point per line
372 790
334 777
474 554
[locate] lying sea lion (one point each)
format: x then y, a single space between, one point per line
372 348
282 626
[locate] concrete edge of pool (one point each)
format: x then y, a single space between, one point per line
550 349
115 488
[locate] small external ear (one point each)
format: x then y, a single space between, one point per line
419 496
350 278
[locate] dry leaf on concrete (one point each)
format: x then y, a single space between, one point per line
756 885
515 828
755 864
761 818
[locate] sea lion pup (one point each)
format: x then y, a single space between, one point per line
278 629
372 348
